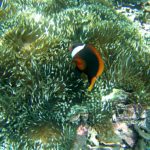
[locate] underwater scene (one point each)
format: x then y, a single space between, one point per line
74 75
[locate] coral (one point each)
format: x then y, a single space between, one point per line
38 84
130 1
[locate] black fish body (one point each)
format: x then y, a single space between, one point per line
88 61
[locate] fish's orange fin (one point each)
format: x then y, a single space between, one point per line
92 84
101 62
80 63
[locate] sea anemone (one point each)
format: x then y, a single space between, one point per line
38 84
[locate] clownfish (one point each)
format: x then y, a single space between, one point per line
87 60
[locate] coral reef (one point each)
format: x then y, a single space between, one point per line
42 101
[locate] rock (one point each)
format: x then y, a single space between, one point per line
78 114
81 138
92 134
147 121
142 133
125 133
116 96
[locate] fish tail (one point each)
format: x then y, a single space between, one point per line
92 84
